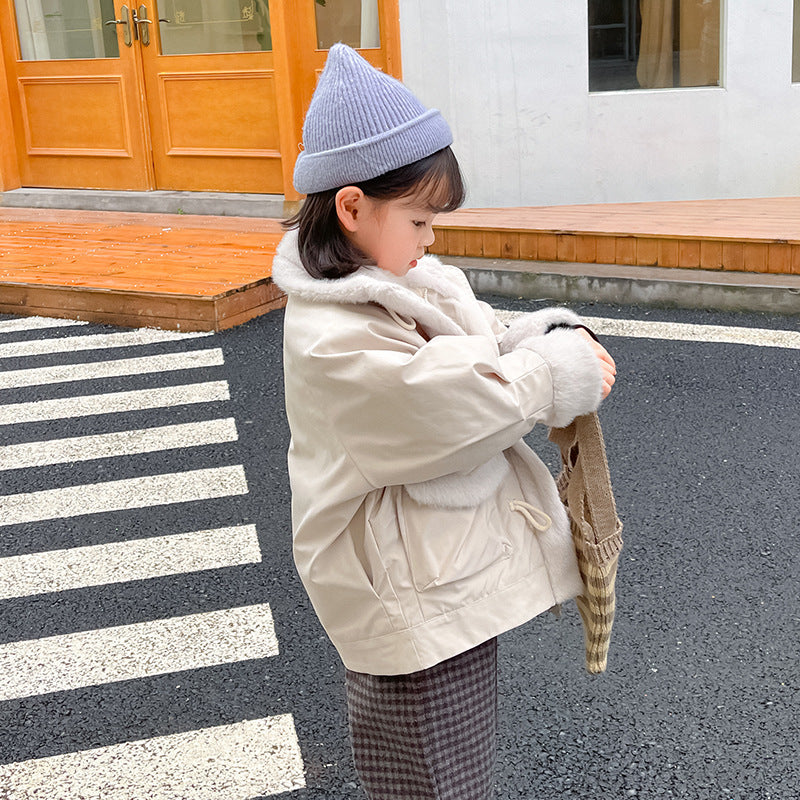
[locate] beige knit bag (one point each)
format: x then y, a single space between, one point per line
584 486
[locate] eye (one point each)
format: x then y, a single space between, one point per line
419 223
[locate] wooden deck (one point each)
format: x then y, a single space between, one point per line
169 271
757 235
210 273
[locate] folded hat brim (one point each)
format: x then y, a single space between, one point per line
374 156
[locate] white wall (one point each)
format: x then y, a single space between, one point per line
511 78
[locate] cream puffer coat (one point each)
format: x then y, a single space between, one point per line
423 525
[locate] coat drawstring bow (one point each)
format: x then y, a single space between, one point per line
535 516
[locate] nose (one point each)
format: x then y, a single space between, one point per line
430 236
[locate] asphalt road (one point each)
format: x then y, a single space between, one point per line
701 697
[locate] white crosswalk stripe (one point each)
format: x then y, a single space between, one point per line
136 400
259 757
129 493
37 323
120 443
99 341
94 370
89 658
254 758
134 560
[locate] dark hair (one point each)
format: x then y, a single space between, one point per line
325 250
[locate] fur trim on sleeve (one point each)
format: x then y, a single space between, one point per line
536 323
577 377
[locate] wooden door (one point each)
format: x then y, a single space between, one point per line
210 85
74 92
371 27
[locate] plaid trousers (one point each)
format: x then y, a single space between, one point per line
429 735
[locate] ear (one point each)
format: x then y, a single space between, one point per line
350 202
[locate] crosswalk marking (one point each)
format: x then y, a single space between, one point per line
257 758
119 443
683 331
134 560
36 323
254 758
92 658
93 404
98 341
95 498
92 370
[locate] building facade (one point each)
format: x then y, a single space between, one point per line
575 101
576 124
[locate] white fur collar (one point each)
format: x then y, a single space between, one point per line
370 284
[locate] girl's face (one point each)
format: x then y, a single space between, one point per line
393 233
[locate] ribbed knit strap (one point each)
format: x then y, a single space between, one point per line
596 478
585 483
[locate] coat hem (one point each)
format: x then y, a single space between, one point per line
451 633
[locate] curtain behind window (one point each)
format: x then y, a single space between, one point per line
654 68
698 43
32 34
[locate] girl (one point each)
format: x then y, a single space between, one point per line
423 525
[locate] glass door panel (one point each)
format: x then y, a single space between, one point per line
58 29
354 22
214 26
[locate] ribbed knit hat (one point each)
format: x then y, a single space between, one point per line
362 123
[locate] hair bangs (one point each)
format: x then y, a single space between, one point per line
442 188
434 181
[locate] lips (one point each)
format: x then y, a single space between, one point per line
413 263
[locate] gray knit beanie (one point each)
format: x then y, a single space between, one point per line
362 123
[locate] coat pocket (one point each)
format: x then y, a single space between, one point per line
444 546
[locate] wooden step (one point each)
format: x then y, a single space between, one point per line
751 235
138 270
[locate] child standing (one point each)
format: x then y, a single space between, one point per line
423 526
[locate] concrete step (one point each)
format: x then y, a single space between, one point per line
632 285
221 204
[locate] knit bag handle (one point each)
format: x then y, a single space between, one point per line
597 480
585 484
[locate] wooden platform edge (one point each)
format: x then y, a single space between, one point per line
132 309
773 257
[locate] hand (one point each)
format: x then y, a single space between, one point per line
607 365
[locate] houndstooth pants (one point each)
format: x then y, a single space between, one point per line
430 735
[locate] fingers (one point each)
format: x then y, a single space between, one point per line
607 363
609 379
604 355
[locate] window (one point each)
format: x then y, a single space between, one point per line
654 44
65 29
796 43
354 22
214 26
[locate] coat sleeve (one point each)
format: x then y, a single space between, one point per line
407 410
499 329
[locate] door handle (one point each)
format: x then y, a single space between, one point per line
141 22
125 21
